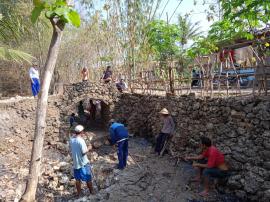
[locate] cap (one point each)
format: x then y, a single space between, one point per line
112 121
79 128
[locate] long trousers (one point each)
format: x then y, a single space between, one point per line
35 86
122 154
162 137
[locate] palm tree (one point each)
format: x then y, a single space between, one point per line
8 30
188 30
9 54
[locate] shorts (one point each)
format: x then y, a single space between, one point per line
83 173
215 173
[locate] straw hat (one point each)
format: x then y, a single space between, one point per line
164 111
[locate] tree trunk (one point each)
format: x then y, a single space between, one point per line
41 110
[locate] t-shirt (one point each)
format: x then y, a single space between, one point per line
214 157
33 73
107 74
168 125
117 132
71 120
121 85
78 148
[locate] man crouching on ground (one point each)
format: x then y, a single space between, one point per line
119 135
82 169
213 167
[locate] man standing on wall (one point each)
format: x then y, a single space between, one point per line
166 131
85 74
210 164
119 135
34 77
81 164
107 75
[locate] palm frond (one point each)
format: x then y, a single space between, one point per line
14 55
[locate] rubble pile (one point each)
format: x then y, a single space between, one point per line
239 127
17 134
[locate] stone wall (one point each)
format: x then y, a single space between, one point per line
76 92
239 128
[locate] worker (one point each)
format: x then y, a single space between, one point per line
166 131
210 164
92 110
119 136
72 120
81 111
85 74
34 77
81 164
121 85
107 75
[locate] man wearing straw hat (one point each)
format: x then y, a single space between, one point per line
166 131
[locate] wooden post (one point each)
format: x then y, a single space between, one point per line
219 80
227 83
237 77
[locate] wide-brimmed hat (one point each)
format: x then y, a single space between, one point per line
164 111
79 128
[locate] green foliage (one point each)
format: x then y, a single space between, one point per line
202 46
12 29
56 9
107 58
163 38
14 55
254 12
188 30
225 32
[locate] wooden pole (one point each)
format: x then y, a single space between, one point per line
219 80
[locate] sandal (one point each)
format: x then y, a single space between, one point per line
204 193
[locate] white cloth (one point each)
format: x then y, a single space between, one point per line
33 73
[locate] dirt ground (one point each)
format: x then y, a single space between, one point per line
147 177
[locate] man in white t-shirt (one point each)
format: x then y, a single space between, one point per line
81 164
34 76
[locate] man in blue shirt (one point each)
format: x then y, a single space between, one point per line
119 135
81 164
72 119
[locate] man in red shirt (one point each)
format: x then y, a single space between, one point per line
213 167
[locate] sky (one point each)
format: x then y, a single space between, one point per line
187 6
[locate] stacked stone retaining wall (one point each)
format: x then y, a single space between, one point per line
238 127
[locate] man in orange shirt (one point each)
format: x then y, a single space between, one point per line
213 167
